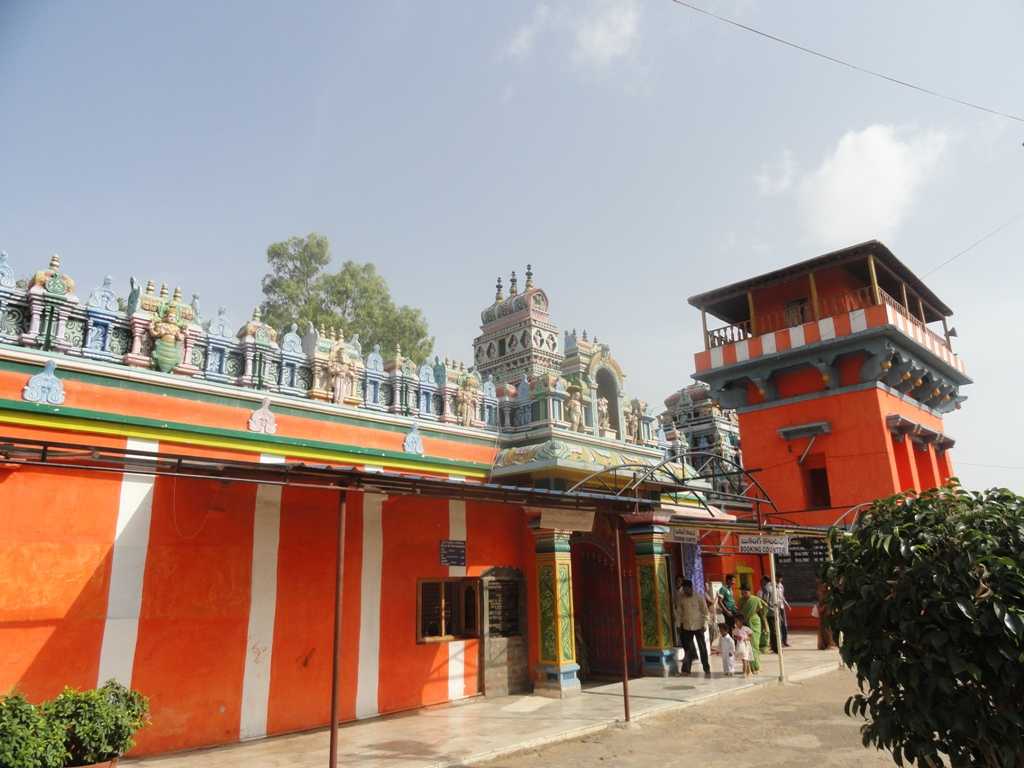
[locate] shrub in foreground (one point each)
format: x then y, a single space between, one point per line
927 596
27 738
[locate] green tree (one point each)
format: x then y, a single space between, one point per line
355 299
928 594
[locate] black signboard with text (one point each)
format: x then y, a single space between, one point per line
799 569
453 552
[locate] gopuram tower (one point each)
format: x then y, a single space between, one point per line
517 336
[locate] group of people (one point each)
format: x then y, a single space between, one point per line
746 630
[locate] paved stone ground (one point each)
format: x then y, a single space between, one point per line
800 724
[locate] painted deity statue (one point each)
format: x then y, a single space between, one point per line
574 410
602 413
466 403
167 327
632 426
342 379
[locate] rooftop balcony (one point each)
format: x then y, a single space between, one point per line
862 298
829 297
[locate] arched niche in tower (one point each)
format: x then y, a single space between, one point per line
608 388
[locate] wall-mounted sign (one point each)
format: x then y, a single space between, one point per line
567 519
764 545
684 535
453 552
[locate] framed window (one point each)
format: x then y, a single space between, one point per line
818 495
447 609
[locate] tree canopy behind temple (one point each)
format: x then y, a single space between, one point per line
355 299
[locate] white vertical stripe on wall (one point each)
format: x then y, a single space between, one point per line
259 641
796 336
128 566
456 669
768 344
742 351
827 328
716 357
457 530
368 679
457 648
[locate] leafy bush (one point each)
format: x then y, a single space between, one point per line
928 595
27 739
98 725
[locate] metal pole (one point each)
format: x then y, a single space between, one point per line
339 576
778 626
622 623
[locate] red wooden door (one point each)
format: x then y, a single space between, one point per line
596 607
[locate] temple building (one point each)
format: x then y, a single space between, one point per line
189 501
841 371
707 429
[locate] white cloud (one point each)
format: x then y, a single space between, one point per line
866 186
606 34
521 44
777 177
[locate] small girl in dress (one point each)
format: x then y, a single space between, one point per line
727 648
744 651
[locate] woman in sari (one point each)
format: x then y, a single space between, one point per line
756 618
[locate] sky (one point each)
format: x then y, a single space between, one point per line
633 151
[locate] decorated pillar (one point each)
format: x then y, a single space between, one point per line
556 671
654 592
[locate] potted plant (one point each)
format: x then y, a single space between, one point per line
98 726
27 738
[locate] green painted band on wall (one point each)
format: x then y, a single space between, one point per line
649 548
549 544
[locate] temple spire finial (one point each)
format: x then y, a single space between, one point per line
499 294
512 289
529 276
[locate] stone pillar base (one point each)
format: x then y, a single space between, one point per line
658 663
557 681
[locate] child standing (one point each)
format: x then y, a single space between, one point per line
727 648
744 651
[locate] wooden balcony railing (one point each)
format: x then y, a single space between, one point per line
798 314
729 334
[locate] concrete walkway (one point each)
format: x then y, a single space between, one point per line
481 729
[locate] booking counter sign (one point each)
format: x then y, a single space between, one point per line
764 545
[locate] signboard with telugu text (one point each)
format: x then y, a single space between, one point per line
684 536
764 545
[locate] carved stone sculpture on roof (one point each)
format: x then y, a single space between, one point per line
374 360
6 272
103 297
291 342
53 281
603 419
221 326
574 411
256 331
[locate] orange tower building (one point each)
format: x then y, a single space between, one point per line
841 370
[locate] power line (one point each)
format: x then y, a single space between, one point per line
977 242
848 64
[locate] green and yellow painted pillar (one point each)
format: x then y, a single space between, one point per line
654 594
556 671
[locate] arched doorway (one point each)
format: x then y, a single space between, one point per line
596 608
608 388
